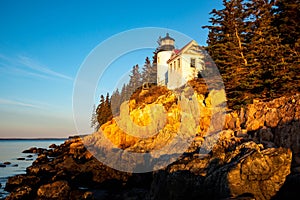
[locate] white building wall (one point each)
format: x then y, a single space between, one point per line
179 76
175 74
162 67
190 72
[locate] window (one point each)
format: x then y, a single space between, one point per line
178 61
175 65
193 62
171 66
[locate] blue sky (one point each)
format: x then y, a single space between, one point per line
44 43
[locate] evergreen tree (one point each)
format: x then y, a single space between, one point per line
286 20
115 102
108 106
227 45
103 110
149 72
287 16
254 44
125 93
99 111
265 51
135 80
94 121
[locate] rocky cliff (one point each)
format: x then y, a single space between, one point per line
254 156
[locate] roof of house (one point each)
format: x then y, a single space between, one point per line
178 52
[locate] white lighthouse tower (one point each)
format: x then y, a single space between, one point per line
164 52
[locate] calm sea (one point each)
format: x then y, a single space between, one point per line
11 150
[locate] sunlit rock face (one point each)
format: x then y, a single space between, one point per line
149 126
254 154
249 167
274 124
142 127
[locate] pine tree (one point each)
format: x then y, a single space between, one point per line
287 16
115 102
227 46
103 110
135 80
108 111
123 95
286 20
99 111
107 106
265 51
94 121
149 72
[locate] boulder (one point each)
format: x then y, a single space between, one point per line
31 150
35 150
272 118
260 173
52 146
40 170
246 171
21 180
41 159
265 134
21 193
56 190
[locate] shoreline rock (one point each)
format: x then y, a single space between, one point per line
256 157
73 173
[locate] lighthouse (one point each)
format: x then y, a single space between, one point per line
164 52
175 67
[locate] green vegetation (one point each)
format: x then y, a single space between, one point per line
110 106
255 44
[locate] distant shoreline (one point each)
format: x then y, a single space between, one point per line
67 138
33 139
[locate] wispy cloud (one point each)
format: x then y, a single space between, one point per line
18 103
27 66
3 57
5 68
34 65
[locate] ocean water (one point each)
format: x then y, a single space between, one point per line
11 150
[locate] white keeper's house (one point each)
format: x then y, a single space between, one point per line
177 66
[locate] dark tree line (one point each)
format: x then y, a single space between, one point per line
110 106
255 44
102 113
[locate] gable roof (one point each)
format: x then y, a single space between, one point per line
178 52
